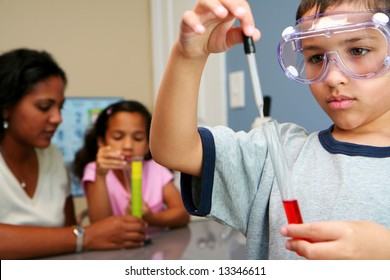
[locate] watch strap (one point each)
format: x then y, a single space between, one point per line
79 233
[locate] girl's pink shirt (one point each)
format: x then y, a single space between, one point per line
154 178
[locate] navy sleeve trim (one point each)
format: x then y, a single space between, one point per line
350 149
207 179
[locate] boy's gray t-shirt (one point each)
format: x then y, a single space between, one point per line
333 181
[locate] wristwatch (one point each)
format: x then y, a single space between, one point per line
79 233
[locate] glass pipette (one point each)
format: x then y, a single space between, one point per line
249 48
278 158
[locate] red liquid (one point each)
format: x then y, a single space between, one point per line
293 213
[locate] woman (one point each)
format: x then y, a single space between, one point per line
35 198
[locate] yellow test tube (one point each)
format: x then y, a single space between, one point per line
136 187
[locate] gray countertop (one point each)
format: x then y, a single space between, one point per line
202 239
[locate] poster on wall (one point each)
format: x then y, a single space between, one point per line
78 114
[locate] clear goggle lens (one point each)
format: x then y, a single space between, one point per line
359 49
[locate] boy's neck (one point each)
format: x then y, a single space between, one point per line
363 137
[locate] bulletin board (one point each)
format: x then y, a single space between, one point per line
78 115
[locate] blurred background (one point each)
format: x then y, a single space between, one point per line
117 49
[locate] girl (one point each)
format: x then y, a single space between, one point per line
121 132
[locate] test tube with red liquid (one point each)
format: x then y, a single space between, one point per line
282 173
278 158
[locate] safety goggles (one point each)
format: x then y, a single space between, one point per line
356 43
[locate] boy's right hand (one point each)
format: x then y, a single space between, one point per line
108 158
338 240
208 28
115 232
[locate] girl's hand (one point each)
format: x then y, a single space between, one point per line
145 209
208 28
107 159
338 240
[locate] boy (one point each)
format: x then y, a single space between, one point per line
339 174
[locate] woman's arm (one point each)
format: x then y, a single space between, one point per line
21 242
24 242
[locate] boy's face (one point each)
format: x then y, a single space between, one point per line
358 105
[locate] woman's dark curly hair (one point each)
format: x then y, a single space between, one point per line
20 71
88 152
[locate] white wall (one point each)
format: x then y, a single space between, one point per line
103 45
166 17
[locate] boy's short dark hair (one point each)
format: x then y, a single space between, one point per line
322 5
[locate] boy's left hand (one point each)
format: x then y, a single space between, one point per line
338 240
